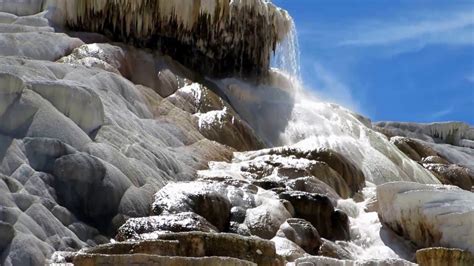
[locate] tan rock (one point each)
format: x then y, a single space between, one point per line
452 174
144 259
444 256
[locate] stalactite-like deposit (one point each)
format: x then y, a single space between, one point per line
218 37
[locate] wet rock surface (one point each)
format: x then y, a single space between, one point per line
194 245
319 211
421 213
318 260
444 256
149 227
104 140
291 168
302 233
448 173
82 149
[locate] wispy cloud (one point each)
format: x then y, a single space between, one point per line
442 113
455 28
331 88
470 78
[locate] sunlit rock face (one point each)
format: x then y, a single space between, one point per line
32 37
82 149
321 171
444 256
187 248
454 141
445 171
218 37
428 215
289 116
319 260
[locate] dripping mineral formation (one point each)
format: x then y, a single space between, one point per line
218 37
133 132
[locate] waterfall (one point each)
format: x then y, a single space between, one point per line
286 57
283 113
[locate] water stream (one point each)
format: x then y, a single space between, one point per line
283 113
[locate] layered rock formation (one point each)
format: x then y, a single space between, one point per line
193 248
451 140
307 124
447 172
82 148
454 133
218 37
444 256
102 140
430 216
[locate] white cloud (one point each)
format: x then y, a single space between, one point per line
330 88
441 113
455 28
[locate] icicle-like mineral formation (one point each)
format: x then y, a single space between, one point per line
217 37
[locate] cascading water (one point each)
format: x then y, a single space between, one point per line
286 57
284 114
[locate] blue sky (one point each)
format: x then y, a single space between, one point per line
389 60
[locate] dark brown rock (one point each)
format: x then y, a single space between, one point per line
145 259
352 176
207 202
334 250
184 247
319 211
302 233
181 222
453 174
412 148
311 184
434 159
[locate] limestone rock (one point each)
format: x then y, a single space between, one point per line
89 186
430 216
65 189
317 260
444 256
144 259
452 174
216 119
313 185
319 211
334 250
434 159
149 227
414 149
287 249
197 245
204 199
182 29
301 233
447 132
228 204
447 173
287 164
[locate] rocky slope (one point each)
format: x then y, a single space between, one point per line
120 153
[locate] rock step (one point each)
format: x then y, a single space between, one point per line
182 249
444 256
145 259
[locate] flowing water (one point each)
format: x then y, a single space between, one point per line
283 113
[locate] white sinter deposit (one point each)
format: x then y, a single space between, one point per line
452 140
286 115
85 141
429 215
218 37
